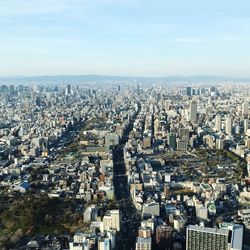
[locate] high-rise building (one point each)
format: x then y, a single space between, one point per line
172 140
189 91
12 89
112 220
218 122
212 91
245 125
245 109
164 237
236 129
225 238
167 105
193 111
68 89
143 243
229 125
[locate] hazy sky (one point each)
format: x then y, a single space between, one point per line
125 37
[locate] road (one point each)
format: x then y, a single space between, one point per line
130 217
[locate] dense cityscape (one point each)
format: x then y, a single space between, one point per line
124 166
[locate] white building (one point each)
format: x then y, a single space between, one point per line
244 109
112 220
201 213
193 111
229 125
218 122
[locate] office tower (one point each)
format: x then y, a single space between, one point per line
112 220
164 237
229 125
38 101
245 126
236 129
228 237
12 89
213 91
218 122
245 109
189 91
68 90
138 88
172 140
167 106
193 111
4 89
143 243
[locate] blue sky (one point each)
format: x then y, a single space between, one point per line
125 37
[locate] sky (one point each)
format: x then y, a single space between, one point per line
125 37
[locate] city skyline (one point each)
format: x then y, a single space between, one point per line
134 38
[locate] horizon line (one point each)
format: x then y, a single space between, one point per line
123 76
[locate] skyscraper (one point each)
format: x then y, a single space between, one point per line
193 111
229 125
245 109
245 126
172 140
189 91
68 89
218 122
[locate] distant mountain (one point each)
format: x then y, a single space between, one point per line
78 79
